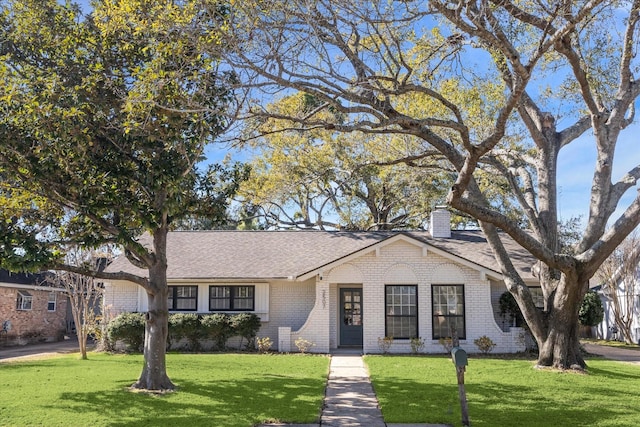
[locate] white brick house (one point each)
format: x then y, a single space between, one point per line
340 289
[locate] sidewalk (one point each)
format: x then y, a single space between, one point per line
613 353
38 350
349 398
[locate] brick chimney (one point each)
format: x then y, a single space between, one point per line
440 222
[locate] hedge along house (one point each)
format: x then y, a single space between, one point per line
340 289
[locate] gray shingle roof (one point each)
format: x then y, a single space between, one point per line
283 254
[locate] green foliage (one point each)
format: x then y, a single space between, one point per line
246 325
186 325
217 327
105 119
591 310
509 307
322 179
129 328
484 344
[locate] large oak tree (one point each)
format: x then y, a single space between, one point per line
106 117
473 81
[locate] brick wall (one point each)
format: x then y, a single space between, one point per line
289 306
35 325
402 262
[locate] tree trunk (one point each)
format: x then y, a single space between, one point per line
154 373
82 342
560 348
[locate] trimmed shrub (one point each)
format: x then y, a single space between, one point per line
246 325
303 345
264 344
591 311
417 345
484 344
129 328
218 328
384 344
186 325
510 310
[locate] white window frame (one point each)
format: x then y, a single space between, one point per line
24 301
54 302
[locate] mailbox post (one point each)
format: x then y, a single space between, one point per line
459 358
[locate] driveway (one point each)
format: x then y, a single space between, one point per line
613 353
40 349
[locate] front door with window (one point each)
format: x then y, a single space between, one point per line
350 317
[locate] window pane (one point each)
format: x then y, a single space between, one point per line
220 292
51 303
448 311
219 304
186 304
183 298
538 298
231 298
401 311
24 300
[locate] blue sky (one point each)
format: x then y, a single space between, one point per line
575 168
575 172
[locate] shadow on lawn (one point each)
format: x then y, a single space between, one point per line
222 403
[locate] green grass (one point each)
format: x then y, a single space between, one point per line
504 392
214 390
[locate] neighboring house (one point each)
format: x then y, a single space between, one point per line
340 289
629 300
30 312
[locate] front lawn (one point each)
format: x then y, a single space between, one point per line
214 390
505 392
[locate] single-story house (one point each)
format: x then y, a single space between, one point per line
340 289
30 312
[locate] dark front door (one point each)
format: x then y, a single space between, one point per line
351 317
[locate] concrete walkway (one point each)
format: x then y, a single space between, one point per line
349 398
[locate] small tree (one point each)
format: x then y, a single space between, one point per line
620 274
84 293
